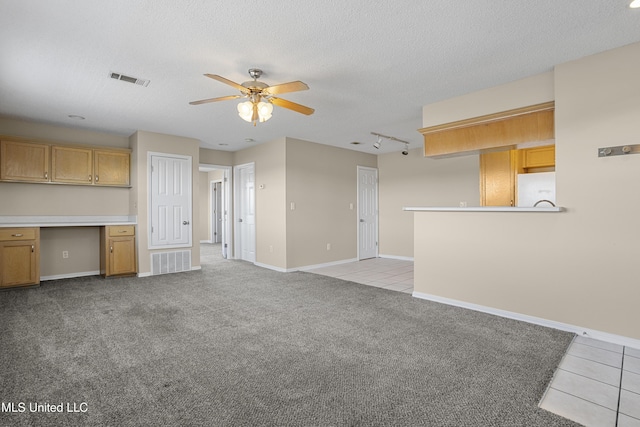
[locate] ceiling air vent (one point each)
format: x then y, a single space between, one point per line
134 80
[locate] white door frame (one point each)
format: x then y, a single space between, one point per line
236 209
227 197
363 168
216 229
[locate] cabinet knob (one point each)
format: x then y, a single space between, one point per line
17 235
96 178
46 175
111 249
89 177
33 248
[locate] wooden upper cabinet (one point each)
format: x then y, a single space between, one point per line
72 165
539 157
39 161
24 161
112 167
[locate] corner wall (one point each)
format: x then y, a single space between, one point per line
271 227
322 183
414 180
142 143
574 267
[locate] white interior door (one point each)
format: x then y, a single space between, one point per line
245 212
367 212
170 201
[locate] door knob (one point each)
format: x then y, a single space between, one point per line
185 222
240 220
362 220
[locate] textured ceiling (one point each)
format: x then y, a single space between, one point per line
370 65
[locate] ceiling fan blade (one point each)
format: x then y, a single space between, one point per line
292 106
228 82
222 98
285 87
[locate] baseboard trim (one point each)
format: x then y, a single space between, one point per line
585 332
272 267
196 267
401 258
147 274
70 275
206 241
326 264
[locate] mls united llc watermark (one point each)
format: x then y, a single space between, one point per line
66 408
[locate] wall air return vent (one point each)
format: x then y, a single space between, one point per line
170 262
134 80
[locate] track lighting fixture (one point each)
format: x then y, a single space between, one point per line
377 144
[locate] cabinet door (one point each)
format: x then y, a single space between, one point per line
111 167
539 157
24 161
497 178
18 263
122 256
72 165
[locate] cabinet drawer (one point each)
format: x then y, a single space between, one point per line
121 230
10 234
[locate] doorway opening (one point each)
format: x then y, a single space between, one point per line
215 209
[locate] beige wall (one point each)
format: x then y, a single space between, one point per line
322 182
142 143
521 93
215 157
575 267
27 199
414 180
269 159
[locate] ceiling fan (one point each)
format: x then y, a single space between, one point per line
260 97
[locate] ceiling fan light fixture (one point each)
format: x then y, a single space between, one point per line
265 109
245 111
635 4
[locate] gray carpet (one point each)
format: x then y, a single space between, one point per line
237 345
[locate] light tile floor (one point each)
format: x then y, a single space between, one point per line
597 383
392 274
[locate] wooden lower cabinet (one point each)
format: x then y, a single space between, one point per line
19 257
118 250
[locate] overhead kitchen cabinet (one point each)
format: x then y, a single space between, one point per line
36 162
24 161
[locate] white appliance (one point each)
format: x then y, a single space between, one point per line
534 187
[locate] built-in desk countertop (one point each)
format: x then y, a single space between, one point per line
67 221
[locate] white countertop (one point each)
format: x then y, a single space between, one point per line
483 209
67 221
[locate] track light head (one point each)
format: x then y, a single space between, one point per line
377 144
406 150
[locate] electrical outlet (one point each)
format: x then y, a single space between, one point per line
270 248
65 254
328 246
